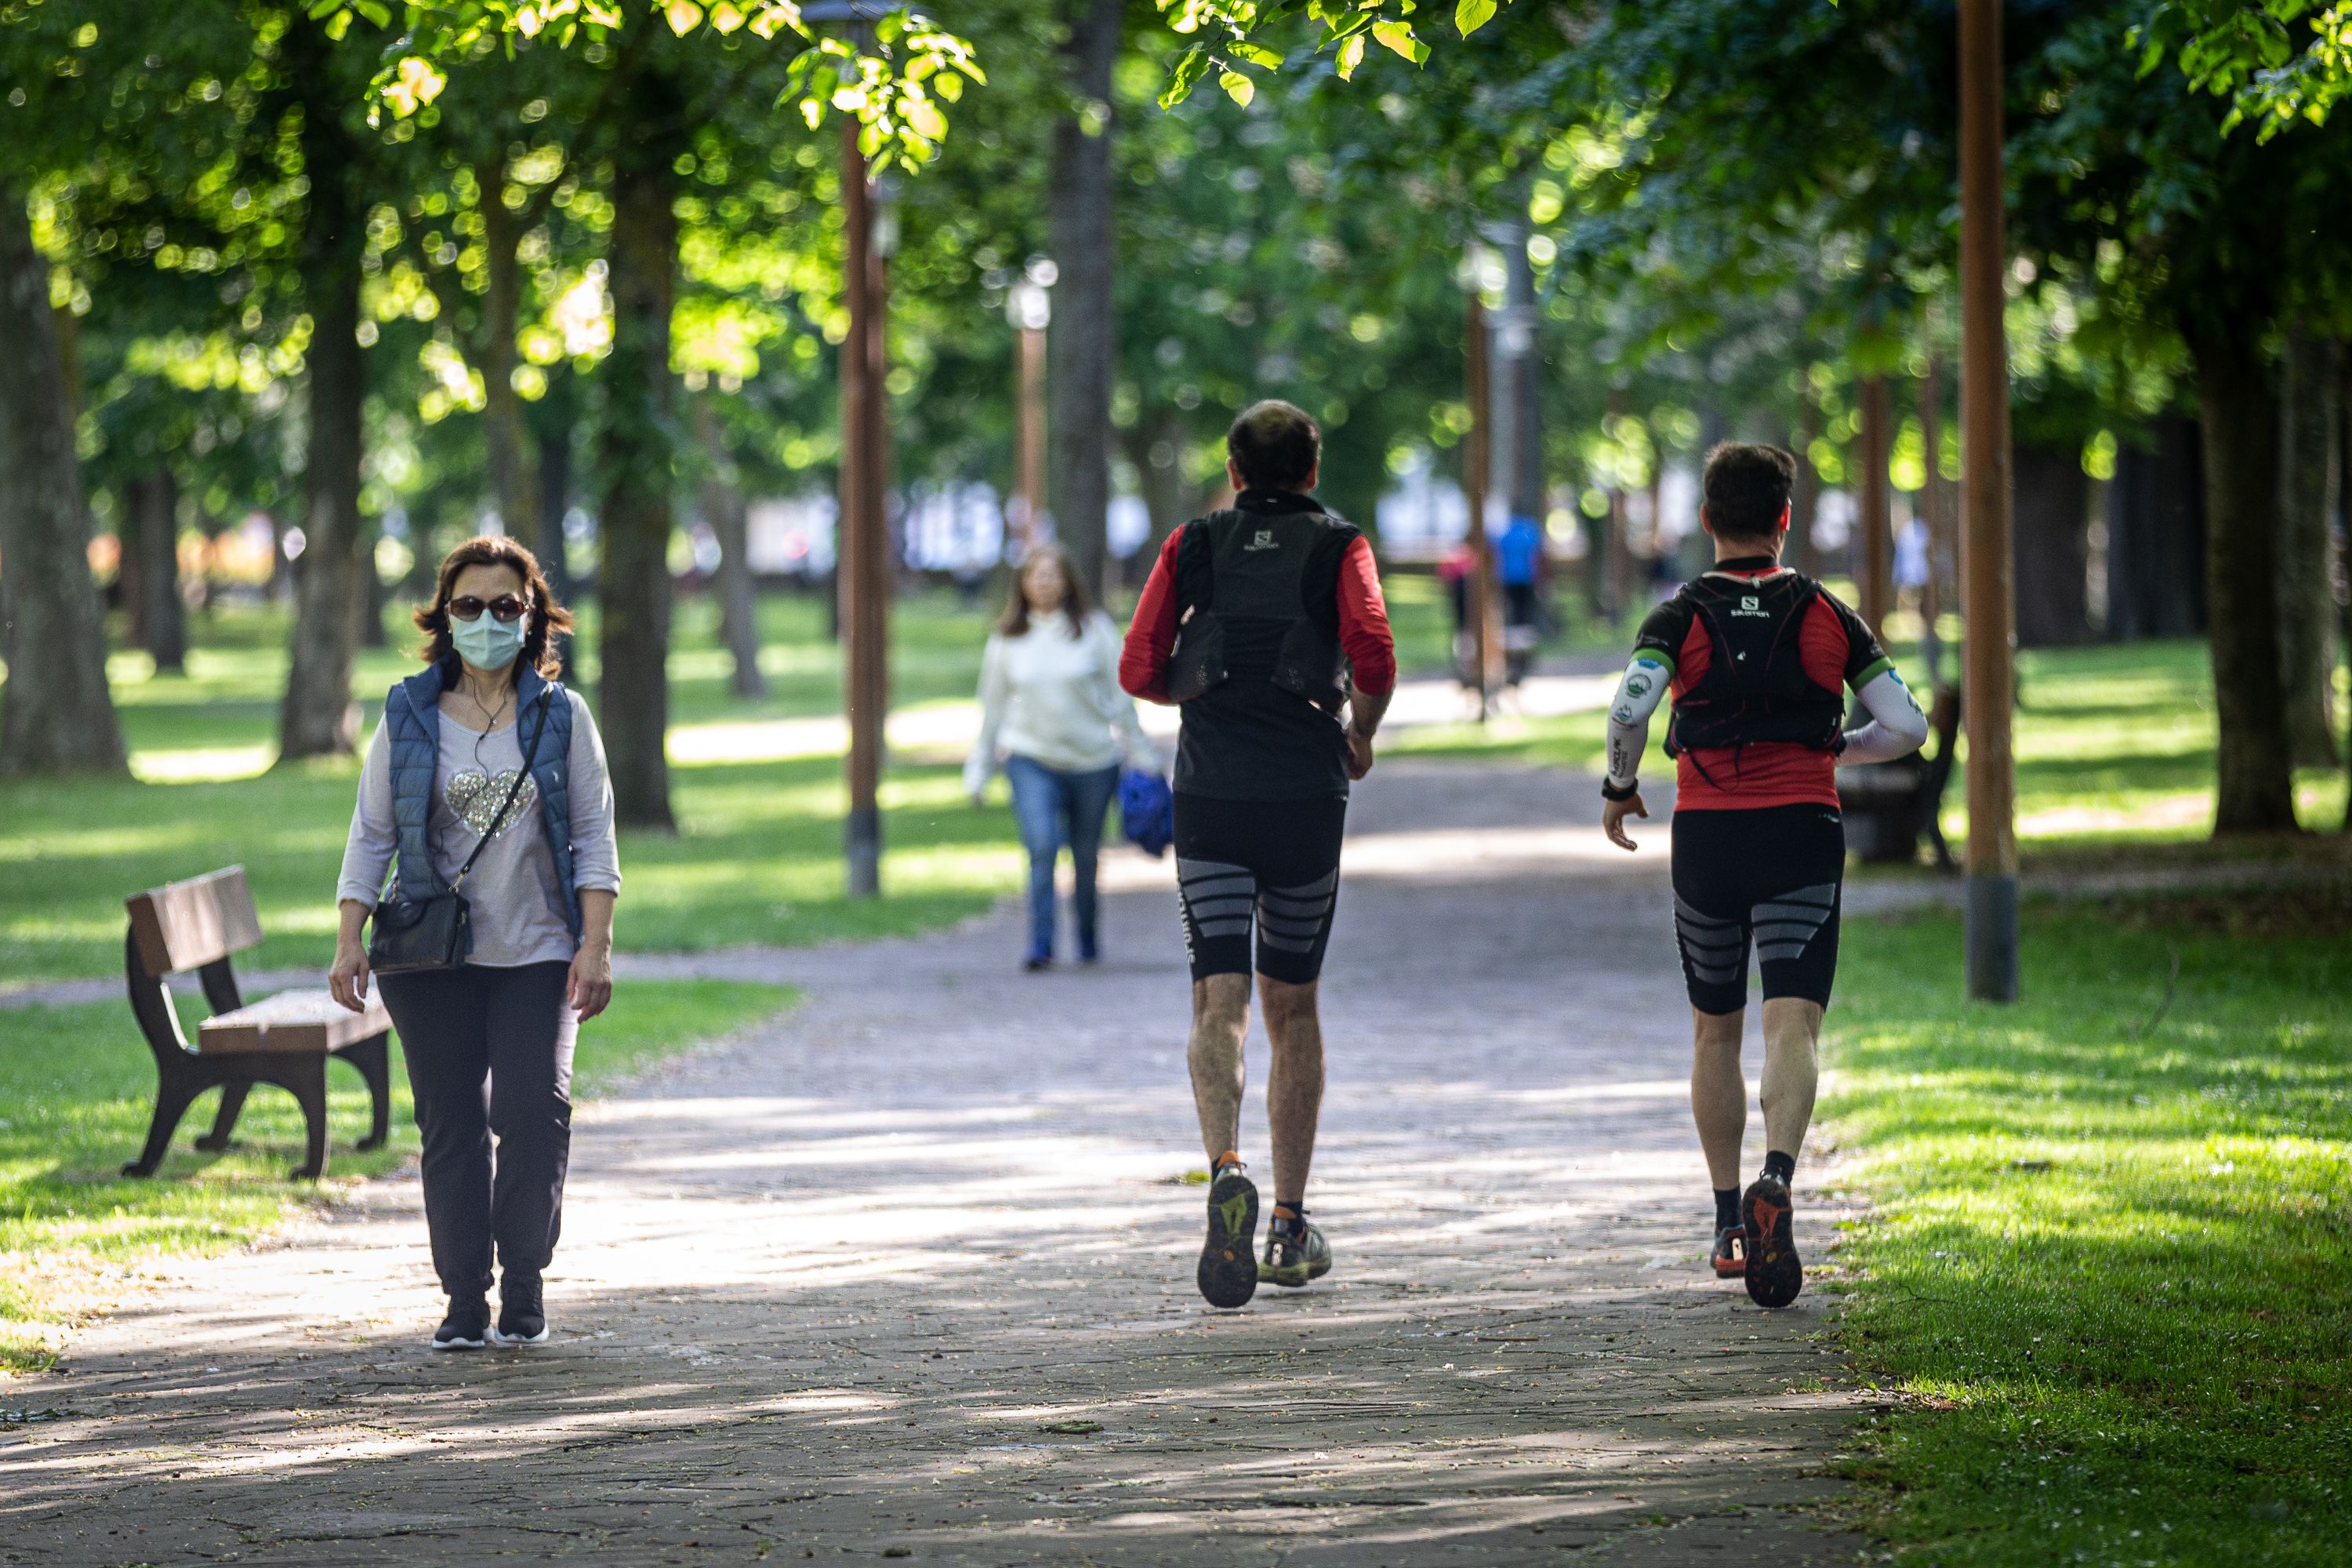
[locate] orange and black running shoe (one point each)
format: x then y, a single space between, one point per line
1730 1258
1774 1273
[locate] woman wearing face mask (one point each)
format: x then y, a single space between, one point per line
482 750
1050 708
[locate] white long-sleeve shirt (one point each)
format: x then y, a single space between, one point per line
1053 695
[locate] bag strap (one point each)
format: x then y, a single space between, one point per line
522 773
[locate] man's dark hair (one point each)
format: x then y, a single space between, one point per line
1746 488
1275 445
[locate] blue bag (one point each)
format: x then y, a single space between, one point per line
1147 811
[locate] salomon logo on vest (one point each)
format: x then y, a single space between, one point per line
1265 540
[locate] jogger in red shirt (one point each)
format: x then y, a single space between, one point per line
1757 659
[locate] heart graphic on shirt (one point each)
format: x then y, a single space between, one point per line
475 798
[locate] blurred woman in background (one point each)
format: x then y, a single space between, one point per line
1052 712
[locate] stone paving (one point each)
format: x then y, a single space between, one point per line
907 1274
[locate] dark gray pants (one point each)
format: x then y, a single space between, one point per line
489 1054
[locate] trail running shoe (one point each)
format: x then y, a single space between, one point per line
1774 1274
467 1326
1296 1253
1730 1252
1228 1273
522 1312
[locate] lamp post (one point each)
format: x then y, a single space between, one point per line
1029 306
1478 449
1988 585
870 234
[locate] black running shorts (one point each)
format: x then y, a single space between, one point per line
1271 864
1773 876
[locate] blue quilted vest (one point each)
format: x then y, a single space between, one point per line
412 710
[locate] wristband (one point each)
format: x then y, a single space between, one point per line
1611 792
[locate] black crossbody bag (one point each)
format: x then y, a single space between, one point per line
437 931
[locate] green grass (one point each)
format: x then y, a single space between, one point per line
2106 1268
78 1085
2114 747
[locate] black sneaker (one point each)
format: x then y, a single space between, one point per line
467 1326
1228 1273
1774 1273
1731 1252
1295 1252
522 1312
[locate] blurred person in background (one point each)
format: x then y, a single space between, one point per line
1053 716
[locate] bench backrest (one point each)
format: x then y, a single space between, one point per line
186 925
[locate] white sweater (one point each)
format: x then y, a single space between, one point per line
1053 698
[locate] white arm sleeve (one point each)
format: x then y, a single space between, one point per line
1896 727
367 853
1638 696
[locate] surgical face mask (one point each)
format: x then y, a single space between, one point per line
487 643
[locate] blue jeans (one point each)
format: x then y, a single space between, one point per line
1055 809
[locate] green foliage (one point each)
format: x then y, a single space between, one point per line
2278 63
895 88
2102 1269
77 1088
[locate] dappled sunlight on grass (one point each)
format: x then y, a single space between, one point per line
2107 1259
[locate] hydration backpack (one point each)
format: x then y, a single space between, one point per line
1755 688
1241 606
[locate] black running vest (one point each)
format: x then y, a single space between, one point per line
1755 688
1244 611
1257 663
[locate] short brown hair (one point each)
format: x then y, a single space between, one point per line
1276 445
542 620
1015 622
1746 489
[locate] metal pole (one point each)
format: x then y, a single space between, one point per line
1873 562
1032 454
865 584
1988 588
1475 451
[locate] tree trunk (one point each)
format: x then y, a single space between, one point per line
1156 447
2307 488
317 718
502 430
150 516
2155 534
2256 780
2052 506
636 455
739 600
55 713
551 421
1805 492
1081 349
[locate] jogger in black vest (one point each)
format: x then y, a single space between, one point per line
1758 658
1263 622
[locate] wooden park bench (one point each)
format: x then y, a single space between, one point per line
285 1039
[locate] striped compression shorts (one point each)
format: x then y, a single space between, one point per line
1267 866
1773 876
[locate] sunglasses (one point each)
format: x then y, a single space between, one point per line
505 608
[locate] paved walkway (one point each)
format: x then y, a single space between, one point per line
908 1273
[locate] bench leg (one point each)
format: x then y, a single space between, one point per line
373 1062
305 1077
232 1106
173 1095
